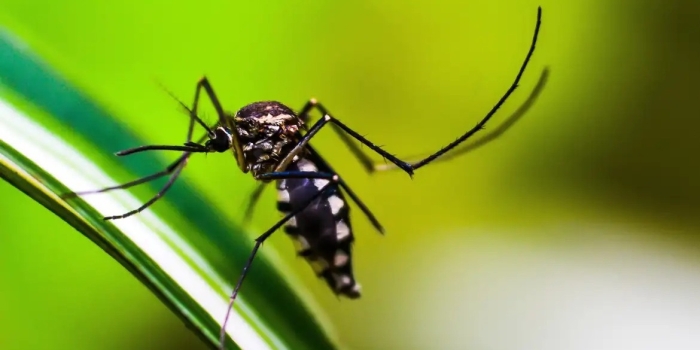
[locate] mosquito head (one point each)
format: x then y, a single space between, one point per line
221 140
268 131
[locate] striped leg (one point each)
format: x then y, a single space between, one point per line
372 167
346 134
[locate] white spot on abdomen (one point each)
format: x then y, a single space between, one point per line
292 222
283 196
305 165
336 204
320 183
340 258
341 281
342 230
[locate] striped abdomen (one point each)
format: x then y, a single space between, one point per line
321 232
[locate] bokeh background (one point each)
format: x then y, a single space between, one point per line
578 229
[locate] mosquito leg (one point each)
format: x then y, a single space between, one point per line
252 202
328 119
346 134
158 195
188 147
333 182
168 170
174 168
298 175
203 83
362 207
491 135
255 195
480 125
144 179
343 185
361 156
192 112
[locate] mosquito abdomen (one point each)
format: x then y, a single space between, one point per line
321 232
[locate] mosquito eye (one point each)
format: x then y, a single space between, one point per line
222 140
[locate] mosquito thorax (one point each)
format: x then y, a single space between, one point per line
267 131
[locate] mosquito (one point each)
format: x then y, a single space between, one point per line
271 141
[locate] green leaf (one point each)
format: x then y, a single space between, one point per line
188 261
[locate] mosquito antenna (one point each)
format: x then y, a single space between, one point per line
189 111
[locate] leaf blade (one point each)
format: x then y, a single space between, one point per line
273 302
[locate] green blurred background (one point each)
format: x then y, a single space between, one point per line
577 229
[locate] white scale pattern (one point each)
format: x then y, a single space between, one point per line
342 230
